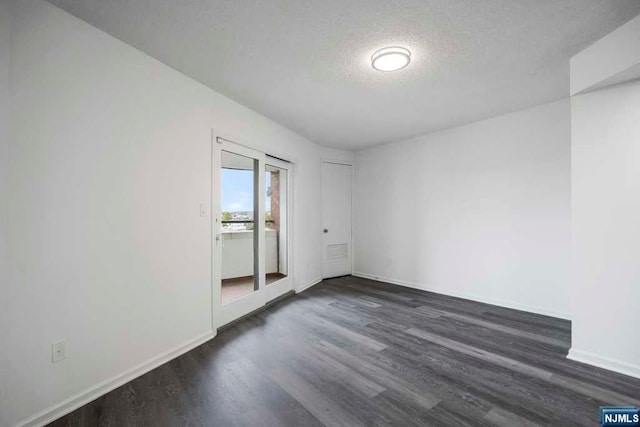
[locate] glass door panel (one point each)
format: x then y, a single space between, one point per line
276 224
278 277
239 235
238 226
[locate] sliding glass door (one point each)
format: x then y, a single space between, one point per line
251 228
278 279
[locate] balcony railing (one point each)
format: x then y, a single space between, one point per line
238 254
229 225
242 221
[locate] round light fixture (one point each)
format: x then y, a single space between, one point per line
390 58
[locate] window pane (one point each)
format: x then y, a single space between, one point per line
276 224
239 234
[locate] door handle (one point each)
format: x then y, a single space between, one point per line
325 231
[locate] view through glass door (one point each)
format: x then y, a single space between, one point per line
278 280
240 238
251 226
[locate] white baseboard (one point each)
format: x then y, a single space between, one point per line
604 362
308 285
58 410
500 303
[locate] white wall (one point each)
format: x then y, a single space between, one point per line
5 24
110 159
612 59
606 227
4 176
480 211
340 156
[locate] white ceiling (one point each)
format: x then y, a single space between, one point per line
305 63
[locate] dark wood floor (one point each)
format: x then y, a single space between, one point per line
353 352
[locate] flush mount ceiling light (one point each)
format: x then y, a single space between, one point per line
390 58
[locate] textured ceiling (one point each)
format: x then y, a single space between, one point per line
305 63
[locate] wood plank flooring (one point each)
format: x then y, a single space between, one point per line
355 352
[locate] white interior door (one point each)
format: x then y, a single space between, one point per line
336 219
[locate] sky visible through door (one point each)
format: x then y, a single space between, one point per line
237 199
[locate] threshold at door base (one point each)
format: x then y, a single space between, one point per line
257 310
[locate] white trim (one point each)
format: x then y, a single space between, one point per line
353 217
271 290
337 161
308 285
604 362
215 230
66 406
500 303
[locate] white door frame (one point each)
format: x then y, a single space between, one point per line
226 313
284 285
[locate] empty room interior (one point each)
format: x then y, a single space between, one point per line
319 213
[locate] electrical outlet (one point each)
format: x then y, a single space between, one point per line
58 351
